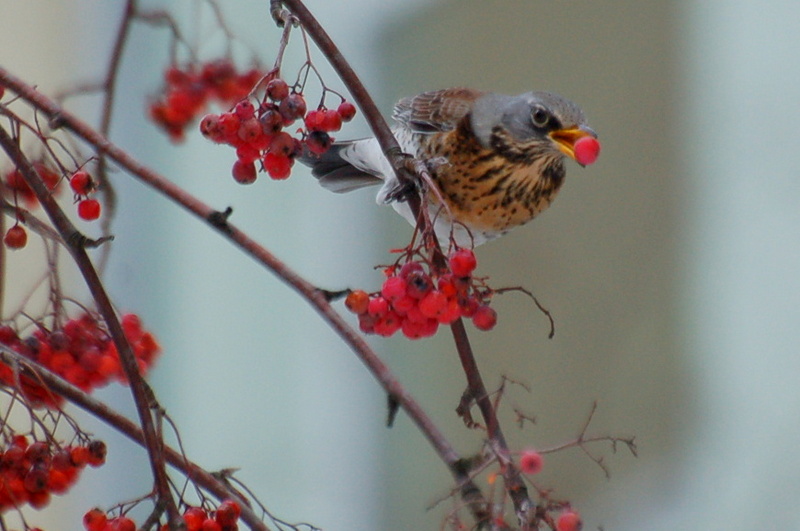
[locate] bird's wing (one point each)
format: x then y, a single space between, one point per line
436 111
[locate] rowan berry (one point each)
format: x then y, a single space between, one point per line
569 521
243 172
357 301
16 237
587 149
531 462
394 288
81 183
318 142
332 121
378 307
462 262
315 120
227 513
245 110
485 317
433 304
292 107
346 110
278 166
419 284
89 209
97 452
194 518
95 520
211 525
277 89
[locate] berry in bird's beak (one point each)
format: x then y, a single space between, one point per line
587 149
578 143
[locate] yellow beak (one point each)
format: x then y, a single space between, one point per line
565 138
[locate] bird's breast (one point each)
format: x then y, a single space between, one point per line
487 192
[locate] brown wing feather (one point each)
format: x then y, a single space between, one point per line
435 111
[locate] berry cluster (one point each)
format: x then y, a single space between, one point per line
82 185
188 89
256 130
16 184
417 302
31 472
224 518
81 352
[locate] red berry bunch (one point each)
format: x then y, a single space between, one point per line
82 185
255 130
16 184
188 89
31 472
97 520
81 352
225 518
417 301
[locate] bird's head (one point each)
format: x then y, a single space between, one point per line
538 123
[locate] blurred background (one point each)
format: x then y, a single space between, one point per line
670 266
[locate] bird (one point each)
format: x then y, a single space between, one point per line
497 161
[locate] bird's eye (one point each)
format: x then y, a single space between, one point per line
540 116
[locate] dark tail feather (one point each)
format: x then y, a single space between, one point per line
334 172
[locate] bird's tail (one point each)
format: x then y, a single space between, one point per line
344 167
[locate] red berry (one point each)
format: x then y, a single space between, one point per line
282 144
569 521
378 307
247 153
277 89
244 172
81 183
485 317
38 452
95 520
227 513
315 120
244 110
433 304
419 284
531 462
394 288
587 149
462 262
357 301
271 122
278 166
318 142
211 525
332 121
194 518
249 130
97 452
121 523
16 237
347 111
210 127
410 267
292 108
89 209
36 479
79 455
